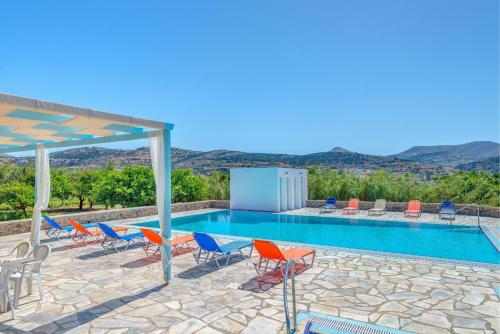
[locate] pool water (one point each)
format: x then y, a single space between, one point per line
436 240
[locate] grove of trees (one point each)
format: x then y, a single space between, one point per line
110 187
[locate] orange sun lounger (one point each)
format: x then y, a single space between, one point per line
268 251
414 209
352 207
155 238
82 232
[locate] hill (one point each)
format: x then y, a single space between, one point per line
490 165
338 158
422 160
452 155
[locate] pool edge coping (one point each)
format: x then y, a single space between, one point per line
494 266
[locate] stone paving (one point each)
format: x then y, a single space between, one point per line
429 218
89 290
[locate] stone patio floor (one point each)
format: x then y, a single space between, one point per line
89 290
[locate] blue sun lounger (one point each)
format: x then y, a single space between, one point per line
330 205
447 210
211 250
55 229
320 323
112 239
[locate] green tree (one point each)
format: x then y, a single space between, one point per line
83 182
110 189
139 185
218 186
187 187
18 196
60 185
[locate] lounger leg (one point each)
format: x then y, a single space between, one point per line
9 300
17 291
40 287
257 265
217 263
267 265
29 285
197 256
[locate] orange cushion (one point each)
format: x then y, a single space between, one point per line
296 253
181 240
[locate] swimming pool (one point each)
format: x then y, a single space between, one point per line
435 240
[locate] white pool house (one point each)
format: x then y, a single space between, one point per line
271 189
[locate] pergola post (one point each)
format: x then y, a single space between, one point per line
42 191
166 225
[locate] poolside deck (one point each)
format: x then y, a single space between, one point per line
429 218
89 290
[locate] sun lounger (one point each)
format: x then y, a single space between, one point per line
112 239
352 207
82 232
211 250
330 205
154 238
414 209
269 252
56 230
378 208
447 210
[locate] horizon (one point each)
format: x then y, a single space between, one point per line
374 79
146 146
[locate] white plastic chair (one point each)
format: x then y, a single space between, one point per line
21 250
30 271
7 268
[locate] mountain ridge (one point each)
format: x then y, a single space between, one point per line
422 160
452 155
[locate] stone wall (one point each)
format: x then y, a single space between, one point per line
24 225
484 211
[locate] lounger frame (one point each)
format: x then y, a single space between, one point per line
330 205
261 267
55 229
204 256
111 242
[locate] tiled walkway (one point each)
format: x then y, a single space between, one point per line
89 290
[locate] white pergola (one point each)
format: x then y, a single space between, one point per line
34 125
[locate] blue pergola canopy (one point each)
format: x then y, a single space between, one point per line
26 122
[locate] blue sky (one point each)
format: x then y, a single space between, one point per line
267 76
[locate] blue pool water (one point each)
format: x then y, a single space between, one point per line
443 241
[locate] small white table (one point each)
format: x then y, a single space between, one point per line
21 262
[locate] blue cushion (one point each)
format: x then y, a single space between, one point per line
229 247
132 236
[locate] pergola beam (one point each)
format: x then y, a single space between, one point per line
77 111
84 142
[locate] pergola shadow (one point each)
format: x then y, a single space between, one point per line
85 316
268 280
49 240
76 245
150 259
206 268
105 252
